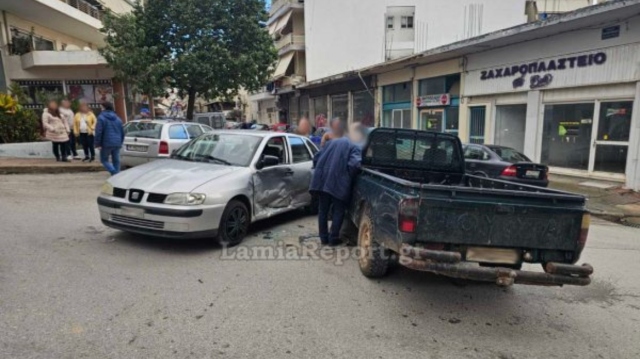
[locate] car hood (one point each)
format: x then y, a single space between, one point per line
170 176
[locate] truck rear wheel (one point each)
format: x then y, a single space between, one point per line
374 259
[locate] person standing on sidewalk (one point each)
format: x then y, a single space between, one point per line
67 114
335 168
109 138
84 126
56 130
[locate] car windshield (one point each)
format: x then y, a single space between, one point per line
143 129
509 154
226 149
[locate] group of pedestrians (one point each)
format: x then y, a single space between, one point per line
65 129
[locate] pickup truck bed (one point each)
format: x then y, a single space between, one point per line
436 217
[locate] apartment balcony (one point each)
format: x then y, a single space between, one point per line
51 59
93 10
280 7
290 42
77 18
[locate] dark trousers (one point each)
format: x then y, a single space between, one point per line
72 145
87 146
60 150
325 202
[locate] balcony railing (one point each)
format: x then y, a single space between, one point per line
278 4
288 40
86 7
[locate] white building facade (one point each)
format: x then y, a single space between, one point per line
571 101
344 35
50 46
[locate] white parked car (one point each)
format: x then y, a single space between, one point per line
148 140
214 186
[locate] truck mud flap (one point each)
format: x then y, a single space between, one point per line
449 264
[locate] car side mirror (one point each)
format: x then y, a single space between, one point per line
267 161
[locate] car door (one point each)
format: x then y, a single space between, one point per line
302 165
476 161
273 186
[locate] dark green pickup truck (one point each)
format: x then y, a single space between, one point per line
413 201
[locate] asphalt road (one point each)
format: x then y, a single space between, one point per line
71 288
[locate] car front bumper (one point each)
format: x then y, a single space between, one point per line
160 220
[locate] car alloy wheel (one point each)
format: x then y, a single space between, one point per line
234 224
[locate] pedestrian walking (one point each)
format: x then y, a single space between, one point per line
337 131
335 168
56 131
84 126
67 115
109 137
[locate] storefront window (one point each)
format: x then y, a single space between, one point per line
612 143
615 121
340 108
320 110
510 126
363 108
452 116
566 140
397 118
477 117
397 93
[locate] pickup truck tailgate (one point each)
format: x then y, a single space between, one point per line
497 218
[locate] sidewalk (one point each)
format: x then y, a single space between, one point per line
10 165
607 200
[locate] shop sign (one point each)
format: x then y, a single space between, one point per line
434 100
540 71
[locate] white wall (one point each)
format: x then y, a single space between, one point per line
343 35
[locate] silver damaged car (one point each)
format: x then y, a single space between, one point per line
214 186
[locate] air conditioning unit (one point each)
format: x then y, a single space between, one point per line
297 80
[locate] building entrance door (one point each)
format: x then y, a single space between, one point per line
432 120
611 142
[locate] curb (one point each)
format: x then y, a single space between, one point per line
18 170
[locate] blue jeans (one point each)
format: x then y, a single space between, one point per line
114 152
325 202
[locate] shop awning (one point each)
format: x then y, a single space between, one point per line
272 27
283 21
283 64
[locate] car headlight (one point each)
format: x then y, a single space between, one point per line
106 189
188 199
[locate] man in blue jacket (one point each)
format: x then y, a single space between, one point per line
109 138
336 165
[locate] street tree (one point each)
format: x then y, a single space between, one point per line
208 48
136 57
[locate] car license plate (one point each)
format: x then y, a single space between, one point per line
492 255
134 148
532 174
132 212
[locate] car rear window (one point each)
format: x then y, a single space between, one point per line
509 154
420 150
143 129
